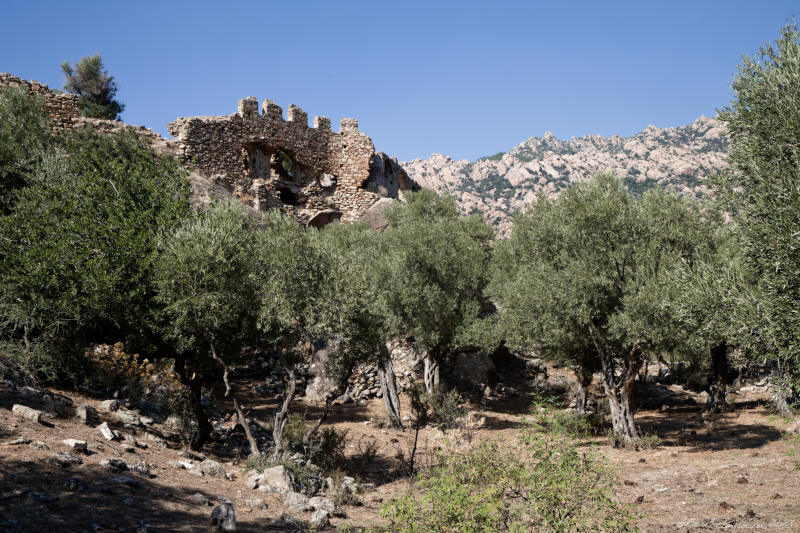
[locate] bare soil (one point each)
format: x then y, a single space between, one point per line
735 471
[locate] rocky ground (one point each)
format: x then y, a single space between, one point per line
79 463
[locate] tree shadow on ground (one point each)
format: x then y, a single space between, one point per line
39 497
687 427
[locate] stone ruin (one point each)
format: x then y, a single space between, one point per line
314 173
63 107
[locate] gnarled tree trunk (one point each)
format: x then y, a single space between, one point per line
619 384
204 427
584 381
391 400
620 405
431 374
718 380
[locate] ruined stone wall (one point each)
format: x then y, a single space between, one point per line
267 162
63 107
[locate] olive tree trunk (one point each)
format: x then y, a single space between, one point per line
239 413
391 400
619 384
195 388
431 373
282 415
718 380
584 381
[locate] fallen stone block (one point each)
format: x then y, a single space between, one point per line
76 445
23 411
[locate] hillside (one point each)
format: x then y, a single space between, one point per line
677 158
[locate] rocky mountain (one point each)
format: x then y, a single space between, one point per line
677 158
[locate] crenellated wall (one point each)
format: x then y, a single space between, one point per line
267 162
63 107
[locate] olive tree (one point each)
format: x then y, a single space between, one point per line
293 272
761 193
578 270
76 250
25 137
207 283
435 274
356 308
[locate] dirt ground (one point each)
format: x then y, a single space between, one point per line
733 472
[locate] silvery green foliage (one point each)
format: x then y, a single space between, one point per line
761 192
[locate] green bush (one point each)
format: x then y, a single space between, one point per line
446 408
544 484
326 449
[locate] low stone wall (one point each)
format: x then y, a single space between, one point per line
63 107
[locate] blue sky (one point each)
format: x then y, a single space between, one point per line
461 78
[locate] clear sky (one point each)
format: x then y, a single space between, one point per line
464 78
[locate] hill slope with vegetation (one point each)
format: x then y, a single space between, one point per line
679 159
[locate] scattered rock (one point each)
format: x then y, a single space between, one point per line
143 468
741 479
114 464
124 480
642 460
297 502
127 417
39 445
14 442
127 448
287 521
325 504
198 498
107 432
109 405
750 514
257 503
131 440
725 506
23 411
629 483
776 496
660 488
211 468
319 519
223 517
277 479
76 445
88 415
640 499
64 460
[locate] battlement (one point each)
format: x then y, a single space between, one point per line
248 110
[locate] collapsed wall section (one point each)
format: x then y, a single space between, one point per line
63 107
314 173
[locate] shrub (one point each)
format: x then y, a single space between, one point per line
545 484
645 442
446 408
326 449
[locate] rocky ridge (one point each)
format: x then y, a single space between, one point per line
679 159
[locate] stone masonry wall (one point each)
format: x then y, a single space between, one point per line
314 173
63 107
